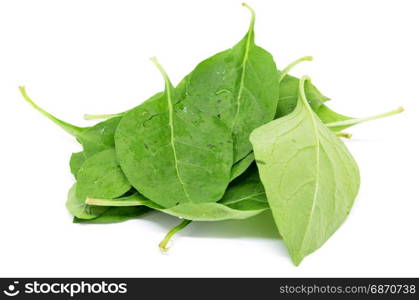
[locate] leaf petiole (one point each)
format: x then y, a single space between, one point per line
252 21
69 128
291 66
345 135
98 117
162 71
115 202
361 120
163 244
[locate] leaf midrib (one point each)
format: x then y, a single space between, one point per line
245 198
172 138
243 76
317 173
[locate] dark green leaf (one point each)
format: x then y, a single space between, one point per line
99 137
288 96
100 176
246 192
241 166
239 86
116 214
244 198
78 208
172 153
76 160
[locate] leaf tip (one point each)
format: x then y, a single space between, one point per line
297 259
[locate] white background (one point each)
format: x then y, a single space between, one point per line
77 57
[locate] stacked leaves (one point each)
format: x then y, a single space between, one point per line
189 151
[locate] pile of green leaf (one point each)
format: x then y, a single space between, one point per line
190 152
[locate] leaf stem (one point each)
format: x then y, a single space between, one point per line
162 71
98 117
301 91
361 120
345 135
71 129
291 66
132 200
115 202
252 21
163 244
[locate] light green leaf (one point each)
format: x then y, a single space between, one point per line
310 178
329 116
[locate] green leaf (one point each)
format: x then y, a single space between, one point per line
101 176
288 88
172 153
239 86
246 192
241 166
310 178
210 212
288 95
244 198
76 161
116 214
78 208
189 211
329 116
99 137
